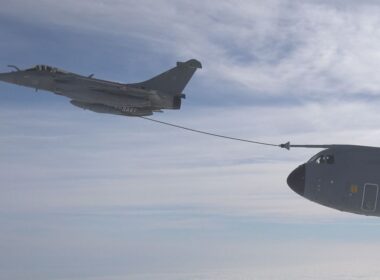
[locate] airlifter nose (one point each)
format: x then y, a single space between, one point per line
296 180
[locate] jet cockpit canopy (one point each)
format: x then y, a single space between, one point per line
46 68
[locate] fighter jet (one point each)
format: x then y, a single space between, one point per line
343 177
164 91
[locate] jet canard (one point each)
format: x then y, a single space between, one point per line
343 177
164 91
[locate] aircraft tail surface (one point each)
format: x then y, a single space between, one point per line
174 80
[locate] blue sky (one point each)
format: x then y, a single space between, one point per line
91 196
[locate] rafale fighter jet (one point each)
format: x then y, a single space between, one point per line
164 91
343 177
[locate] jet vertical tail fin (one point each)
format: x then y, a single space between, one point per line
174 80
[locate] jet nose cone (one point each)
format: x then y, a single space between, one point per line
296 180
5 77
9 77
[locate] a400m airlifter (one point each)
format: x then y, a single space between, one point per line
164 91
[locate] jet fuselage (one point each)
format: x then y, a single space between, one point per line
161 92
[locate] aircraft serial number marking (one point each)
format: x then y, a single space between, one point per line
128 109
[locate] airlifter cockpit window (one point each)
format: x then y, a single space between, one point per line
325 159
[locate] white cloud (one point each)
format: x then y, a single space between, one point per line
313 48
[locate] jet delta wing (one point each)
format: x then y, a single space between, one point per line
164 91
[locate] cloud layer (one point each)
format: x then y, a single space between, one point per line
310 49
87 196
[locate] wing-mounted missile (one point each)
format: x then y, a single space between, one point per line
100 108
